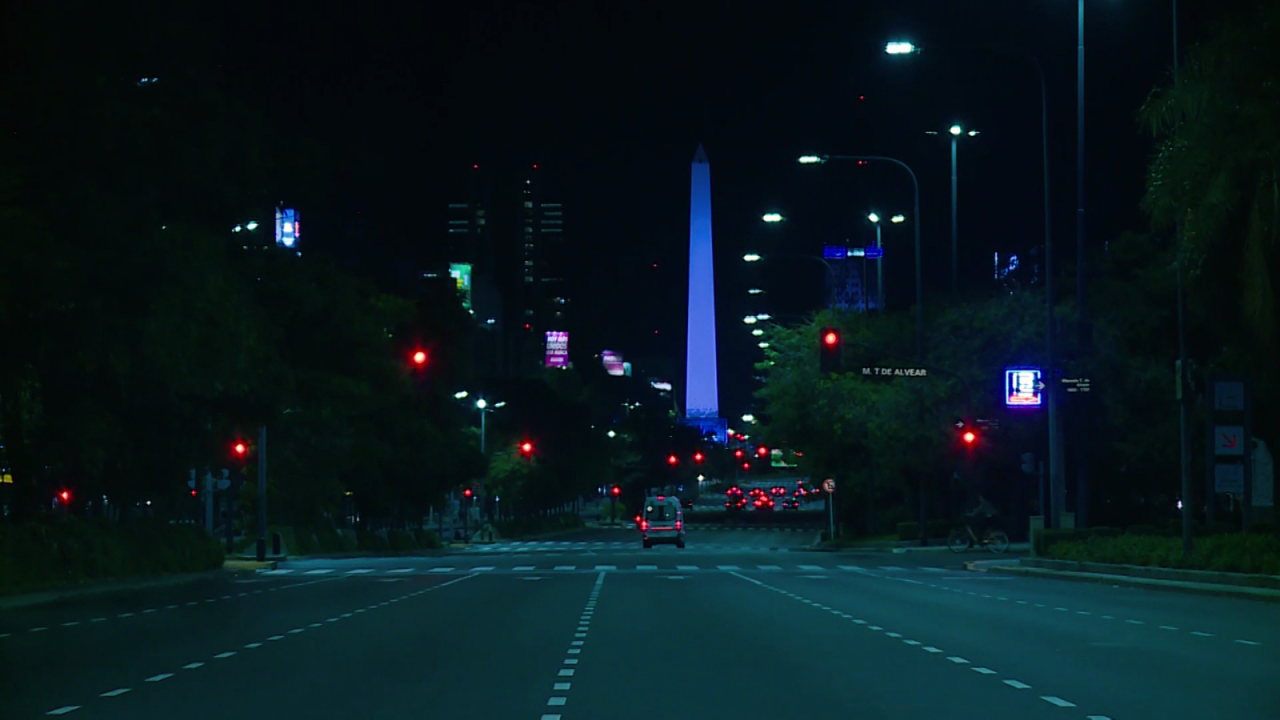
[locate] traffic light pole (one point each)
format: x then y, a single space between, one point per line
208 500
262 494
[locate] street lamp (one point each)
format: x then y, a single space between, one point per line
1057 465
611 434
748 418
751 257
460 395
875 220
956 132
758 332
755 291
750 320
764 316
915 185
772 217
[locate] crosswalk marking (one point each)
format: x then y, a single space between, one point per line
901 572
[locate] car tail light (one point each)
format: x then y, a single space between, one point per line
679 525
644 524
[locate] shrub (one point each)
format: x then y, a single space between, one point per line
65 551
1239 553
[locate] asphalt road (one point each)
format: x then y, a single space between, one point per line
692 634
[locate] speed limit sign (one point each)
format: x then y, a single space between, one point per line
829 485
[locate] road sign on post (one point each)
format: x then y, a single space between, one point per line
829 487
873 253
1230 466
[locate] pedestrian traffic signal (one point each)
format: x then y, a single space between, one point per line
829 347
615 491
672 460
698 457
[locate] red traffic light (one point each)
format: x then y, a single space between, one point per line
193 493
969 437
672 459
738 453
64 496
526 448
239 449
420 358
746 466
830 338
699 457
762 451
466 493
615 491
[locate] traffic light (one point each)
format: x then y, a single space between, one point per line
698 457
420 358
746 466
829 347
526 450
968 437
615 491
738 453
467 493
762 451
672 460
64 496
239 450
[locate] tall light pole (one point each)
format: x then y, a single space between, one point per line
955 131
482 405
915 186
1057 461
1184 449
875 220
1084 334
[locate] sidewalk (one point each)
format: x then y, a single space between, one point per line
1237 585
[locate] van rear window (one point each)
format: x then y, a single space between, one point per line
657 512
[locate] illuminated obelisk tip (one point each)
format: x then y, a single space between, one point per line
702 397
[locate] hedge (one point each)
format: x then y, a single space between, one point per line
1254 553
67 551
537 525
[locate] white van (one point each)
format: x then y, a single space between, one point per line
662 522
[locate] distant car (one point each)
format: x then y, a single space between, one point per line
792 504
663 522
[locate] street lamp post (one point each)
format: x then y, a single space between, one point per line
481 405
875 220
955 131
1057 462
915 185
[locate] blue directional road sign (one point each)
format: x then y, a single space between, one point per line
873 252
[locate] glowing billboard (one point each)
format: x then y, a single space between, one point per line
286 227
461 274
557 349
613 363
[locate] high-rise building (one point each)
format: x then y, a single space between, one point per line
518 260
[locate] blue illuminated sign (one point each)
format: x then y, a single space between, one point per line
873 252
1023 387
287 227
835 252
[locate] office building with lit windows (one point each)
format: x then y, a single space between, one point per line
509 241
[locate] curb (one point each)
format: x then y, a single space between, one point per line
1195 588
46 597
252 565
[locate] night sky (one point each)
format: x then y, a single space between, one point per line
611 99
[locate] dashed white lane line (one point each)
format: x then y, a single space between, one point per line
324 571
230 653
1248 642
115 693
954 659
522 568
575 648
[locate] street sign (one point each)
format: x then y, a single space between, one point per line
1228 440
835 252
895 372
873 253
1228 395
1023 387
1228 478
829 485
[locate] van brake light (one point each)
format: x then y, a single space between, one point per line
679 525
644 524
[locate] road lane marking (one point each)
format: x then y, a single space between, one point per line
1052 700
522 568
563 568
686 567
646 567
192 666
440 569
115 693
1017 685
483 568
1248 642
728 567
324 571
63 710
983 671
158 678
606 567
